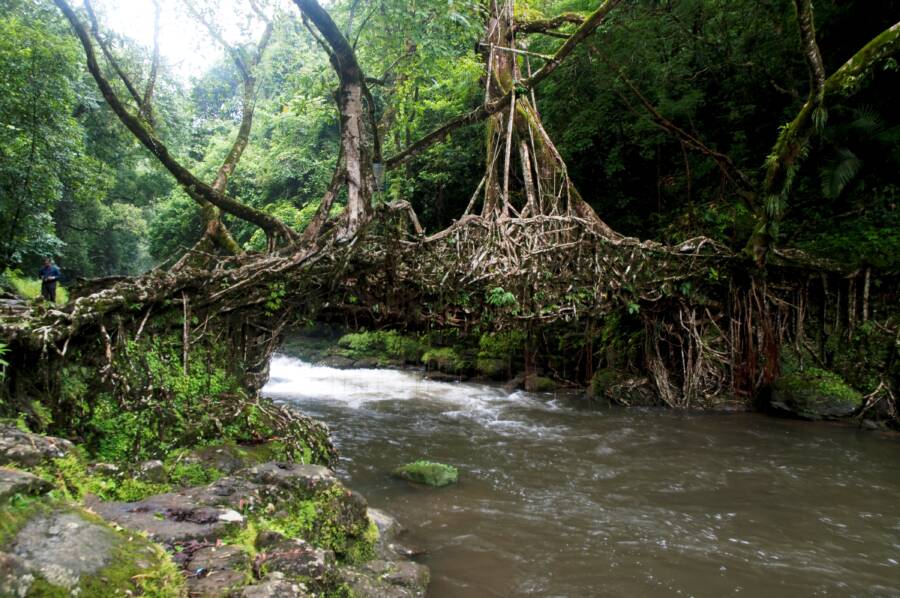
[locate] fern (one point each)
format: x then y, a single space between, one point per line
840 172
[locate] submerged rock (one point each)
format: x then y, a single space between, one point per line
814 394
428 473
27 450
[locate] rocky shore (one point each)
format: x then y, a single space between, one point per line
260 529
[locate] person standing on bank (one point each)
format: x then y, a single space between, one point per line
49 275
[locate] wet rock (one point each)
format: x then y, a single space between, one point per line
539 384
388 526
384 579
623 388
442 376
63 546
267 539
297 559
337 361
873 424
15 577
207 513
219 558
13 481
814 394
27 450
275 585
152 471
104 469
408 574
216 584
227 458
515 383
167 518
428 473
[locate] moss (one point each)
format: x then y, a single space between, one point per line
815 394
428 473
445 359
364 549
17 513
192 474
604 380
137 566
384 346
70 476
539 384
332 519
492 368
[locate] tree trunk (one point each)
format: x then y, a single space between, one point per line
360 145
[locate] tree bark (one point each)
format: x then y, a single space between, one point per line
359 135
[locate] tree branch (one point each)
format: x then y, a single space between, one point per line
107 53
784 161
545 25
587 27
194 187
146 105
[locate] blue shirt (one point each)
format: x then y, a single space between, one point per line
50 271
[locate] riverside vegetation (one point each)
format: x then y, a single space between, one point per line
687 204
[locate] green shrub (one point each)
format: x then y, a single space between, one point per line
445 359
383 345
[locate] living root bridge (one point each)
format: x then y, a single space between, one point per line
709 329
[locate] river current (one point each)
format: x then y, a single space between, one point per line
557 498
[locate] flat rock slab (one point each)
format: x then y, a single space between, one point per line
297 559
208 512
219 558
275 585
218 584
63 546
169 518
27 450
13 481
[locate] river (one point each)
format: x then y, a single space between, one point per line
557 498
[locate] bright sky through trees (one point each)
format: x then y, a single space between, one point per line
184 44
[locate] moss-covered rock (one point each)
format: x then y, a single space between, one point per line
428 473
814 394
53 549
535 383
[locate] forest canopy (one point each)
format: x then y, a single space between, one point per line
642 112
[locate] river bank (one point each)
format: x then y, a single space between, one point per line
221 520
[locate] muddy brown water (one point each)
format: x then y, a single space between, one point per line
559 499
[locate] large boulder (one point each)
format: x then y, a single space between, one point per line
24 449
58 550
814 394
